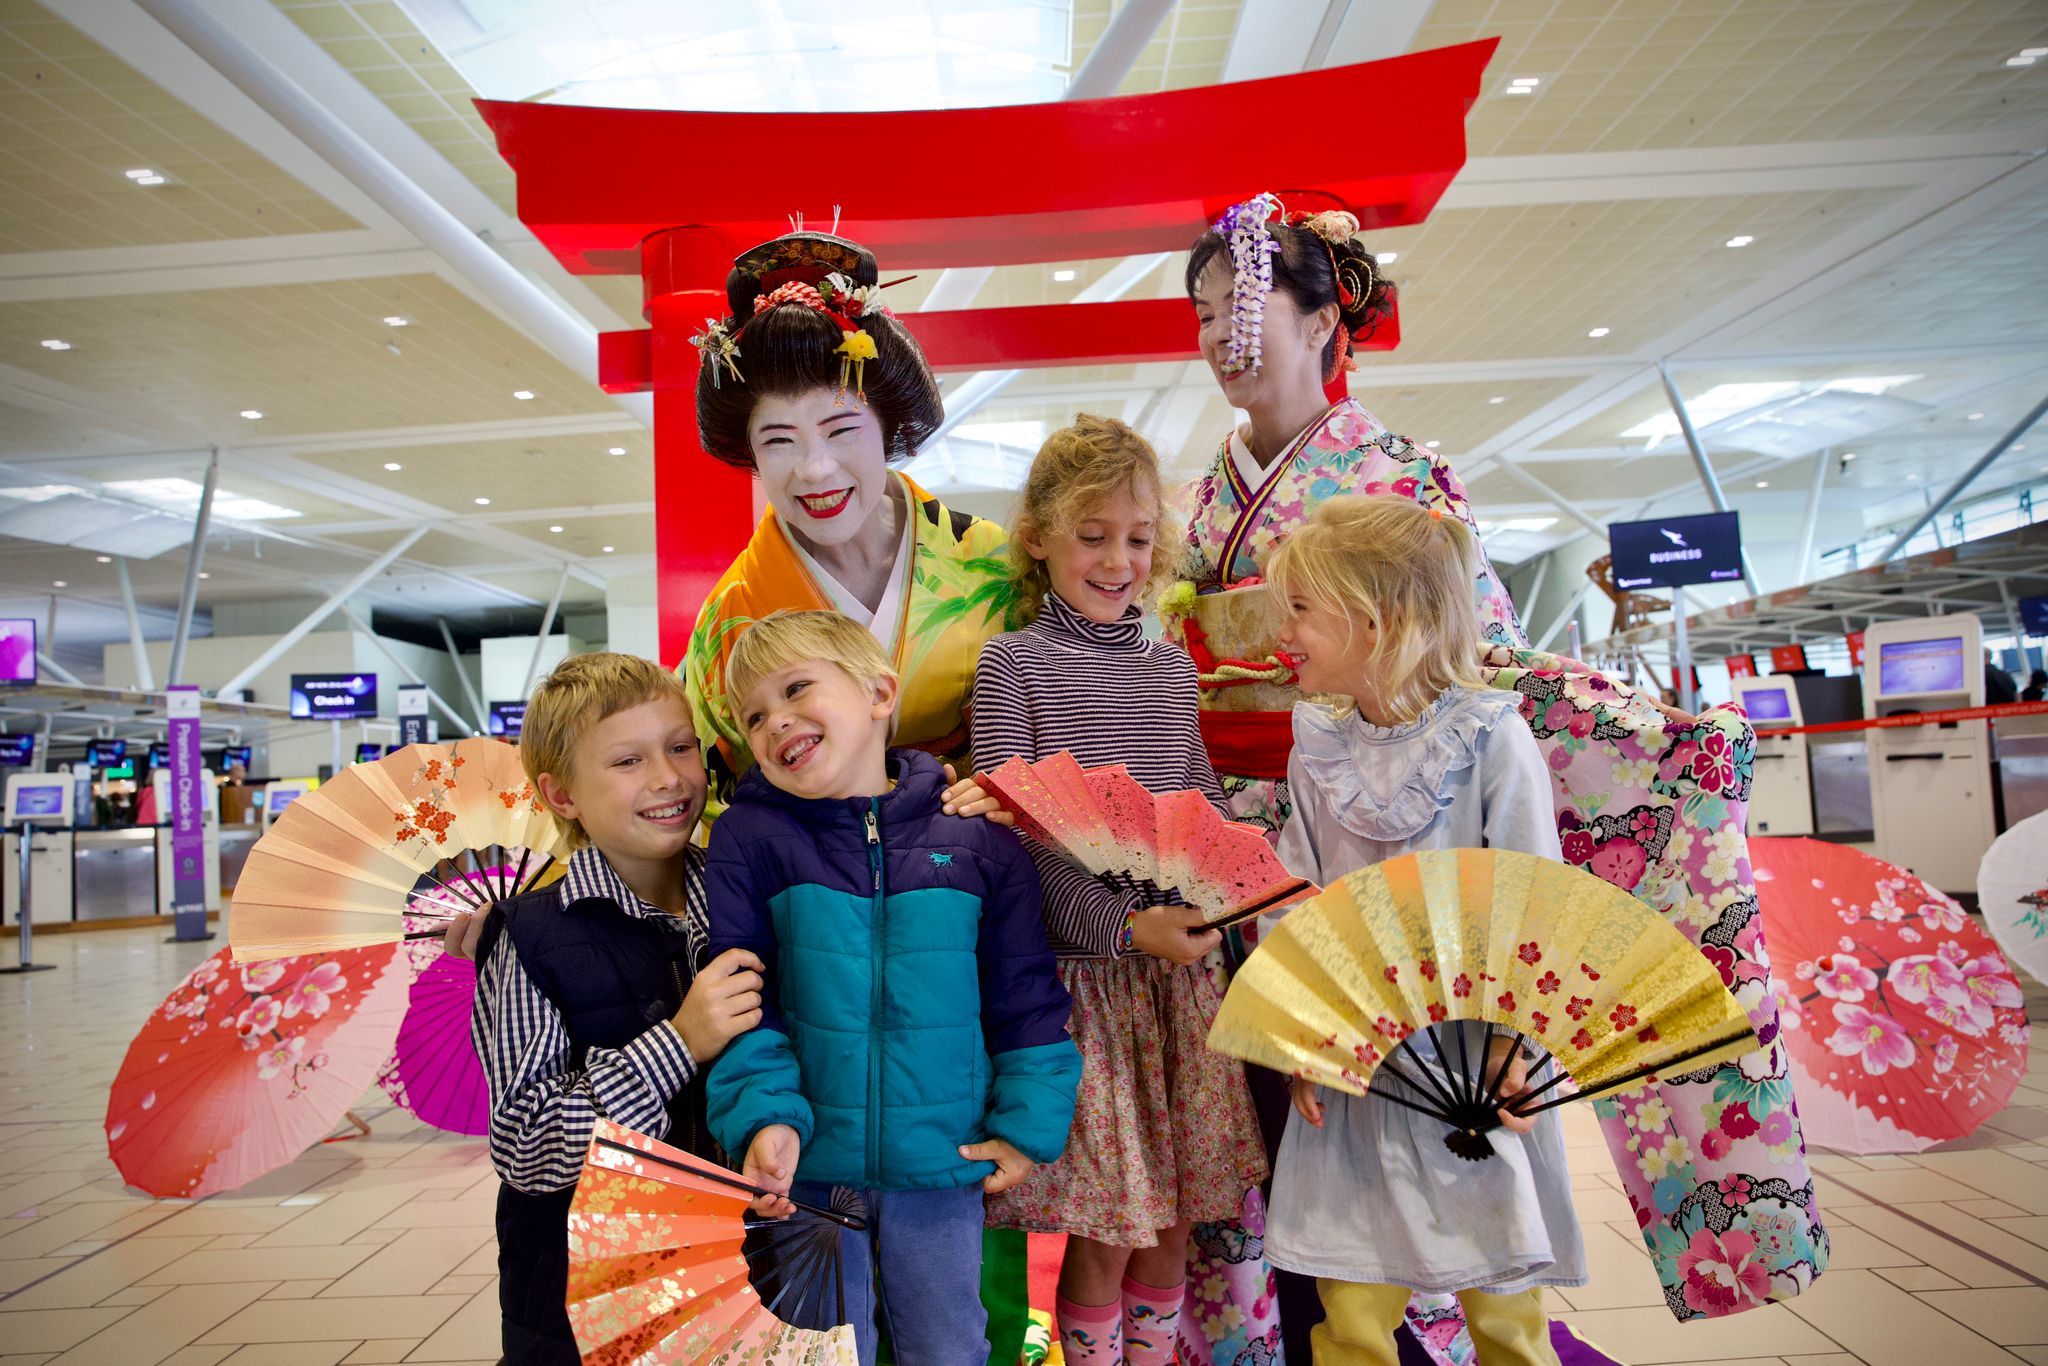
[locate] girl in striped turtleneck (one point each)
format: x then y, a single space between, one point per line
1164 1134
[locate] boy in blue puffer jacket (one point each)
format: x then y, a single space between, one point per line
913 1045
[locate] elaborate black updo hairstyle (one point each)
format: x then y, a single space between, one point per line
790 348
1315 252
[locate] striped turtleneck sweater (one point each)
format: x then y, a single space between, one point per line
1108 695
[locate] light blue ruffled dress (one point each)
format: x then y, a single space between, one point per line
1374 1196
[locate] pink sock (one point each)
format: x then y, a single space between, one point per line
1090 1332
1151 1322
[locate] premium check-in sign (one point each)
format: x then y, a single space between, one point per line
188 816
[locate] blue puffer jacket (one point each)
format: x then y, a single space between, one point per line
911 1003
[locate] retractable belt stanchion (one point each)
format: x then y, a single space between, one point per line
27 835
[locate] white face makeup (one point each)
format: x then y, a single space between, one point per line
822 463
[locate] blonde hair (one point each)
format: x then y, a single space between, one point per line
781 639
1407 570
1076 471
580 692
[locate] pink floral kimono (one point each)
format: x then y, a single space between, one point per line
1712 1161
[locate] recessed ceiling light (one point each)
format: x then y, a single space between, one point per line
1063 275
1525 80
2021 61
1741 240
1498 398
522 394
393 466
104 559
483 502
2034 52
1848 455
618 450
142 173
59 583
252 413
1599 332
1763 483
557 530
1433 445
204 575
2020 446
149 180
1975 417
1522 85
607 550
397 320
52 344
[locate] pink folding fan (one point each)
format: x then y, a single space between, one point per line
1106 821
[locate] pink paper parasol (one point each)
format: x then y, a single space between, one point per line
1902 1020
241 1069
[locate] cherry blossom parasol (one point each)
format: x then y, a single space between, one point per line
241 1069
2012 891
1902 1019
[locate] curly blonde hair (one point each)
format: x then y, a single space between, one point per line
1404 569
1075 472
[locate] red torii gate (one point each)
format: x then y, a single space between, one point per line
673 196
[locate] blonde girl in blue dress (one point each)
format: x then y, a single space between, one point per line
1377 596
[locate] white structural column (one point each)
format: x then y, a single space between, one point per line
145 677
483 724
1969 476
547 624
411 675
1804 564
1708 478
322 612
188 600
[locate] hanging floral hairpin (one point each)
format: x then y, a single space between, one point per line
1251 259
720 350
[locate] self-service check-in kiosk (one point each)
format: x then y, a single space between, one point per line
1781 802
281 794
1930 786
166 865
43 804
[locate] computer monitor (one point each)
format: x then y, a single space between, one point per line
507 719
40 801
17 652
1906 668
17 751
106 753
231 755
159 756
2034 614
281 797
369 754
1767 704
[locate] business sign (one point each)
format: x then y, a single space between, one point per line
1786 658
412 714
188 816
508 718
17 751
333 697
1671 552
235 756
1742 666
2034 615
106 753
1854 640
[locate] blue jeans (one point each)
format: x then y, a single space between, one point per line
915 1273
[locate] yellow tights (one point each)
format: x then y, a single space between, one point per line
1359 1322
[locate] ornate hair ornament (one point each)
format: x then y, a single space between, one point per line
1243 227
720 350
856 348
1354 273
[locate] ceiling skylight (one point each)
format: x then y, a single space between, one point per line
1784 418
763 55
182 495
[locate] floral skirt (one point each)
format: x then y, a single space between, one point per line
1163 1128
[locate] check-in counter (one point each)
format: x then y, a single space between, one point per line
114 873
235 843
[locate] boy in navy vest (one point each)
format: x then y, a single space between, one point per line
586 1003
913 1047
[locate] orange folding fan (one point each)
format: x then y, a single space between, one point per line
665 1264
1107 822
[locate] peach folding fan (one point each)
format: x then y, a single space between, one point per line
1365 985
455 825
1107 822
666 1265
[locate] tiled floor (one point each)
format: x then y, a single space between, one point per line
381 1250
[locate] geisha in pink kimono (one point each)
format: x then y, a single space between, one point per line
1712 1162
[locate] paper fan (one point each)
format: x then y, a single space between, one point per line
1107 822
458 825
665 1265
1340 989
